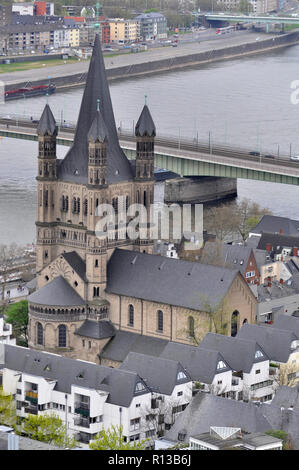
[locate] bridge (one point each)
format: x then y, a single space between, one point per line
252 19
182 156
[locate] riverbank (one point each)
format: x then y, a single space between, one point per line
160 60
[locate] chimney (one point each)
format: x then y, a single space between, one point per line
280 231
295 251
268 247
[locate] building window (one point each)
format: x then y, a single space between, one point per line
191 327
40 334
135 424
131 315
96 292
160 320
62 336
258 371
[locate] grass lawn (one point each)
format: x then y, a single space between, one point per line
18 66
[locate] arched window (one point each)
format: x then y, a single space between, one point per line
62 336
131 315
40 334
234 323
160 320
191 327
144 199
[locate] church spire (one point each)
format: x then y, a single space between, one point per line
47 123
74 167
145 125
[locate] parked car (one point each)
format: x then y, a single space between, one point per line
295 158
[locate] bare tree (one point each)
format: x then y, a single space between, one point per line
8 256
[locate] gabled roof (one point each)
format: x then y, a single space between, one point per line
174 282
199 362
119 384
47 123
145 125
76 263
160 374
56 293
275 342
278 241
276 224
74 167
239 353
96 329
236 256
124 342
287 322
206 410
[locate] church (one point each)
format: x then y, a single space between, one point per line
94 293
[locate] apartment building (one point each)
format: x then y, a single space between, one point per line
88 397
122 30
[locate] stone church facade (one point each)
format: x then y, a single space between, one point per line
88 288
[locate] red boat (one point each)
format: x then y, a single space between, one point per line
28 92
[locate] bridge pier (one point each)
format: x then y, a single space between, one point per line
199 189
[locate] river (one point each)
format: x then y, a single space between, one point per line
243 101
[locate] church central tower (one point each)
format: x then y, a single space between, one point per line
71 259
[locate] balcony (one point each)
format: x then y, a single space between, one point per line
31 410
82 422
82 409
31 396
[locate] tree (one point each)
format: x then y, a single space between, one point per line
17 315
279 434
7 409
212 253
113 439
49 429
247 216
239 218
8 254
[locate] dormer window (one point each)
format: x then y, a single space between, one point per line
139 387
221 365
258 354
181 376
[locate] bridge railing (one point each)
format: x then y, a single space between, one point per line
169 141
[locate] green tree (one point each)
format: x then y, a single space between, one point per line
113 439
17 315
279 434
49 429
7 409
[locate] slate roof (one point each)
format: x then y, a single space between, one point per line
278 242
287 397
76 263
206 410
275 342
47 123
287 322
236 256
74 167
145 125
199 362
96 329
238 352
120 384
56 293
98 130
26 444
124 342
172 281
158 373
276 224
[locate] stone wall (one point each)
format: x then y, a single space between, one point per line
199 189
